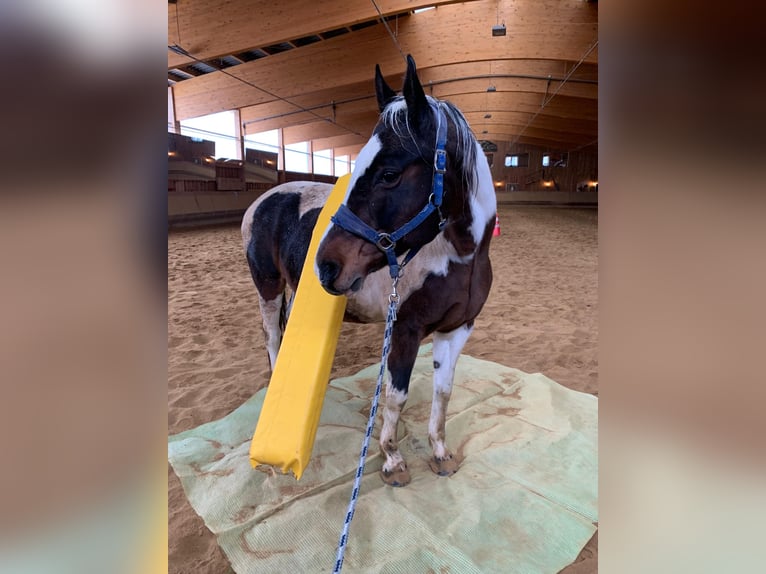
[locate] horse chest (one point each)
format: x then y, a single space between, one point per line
370 303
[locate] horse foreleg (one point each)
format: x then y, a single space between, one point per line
404 350
270 315
446 350
394 471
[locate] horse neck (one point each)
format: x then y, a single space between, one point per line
470 208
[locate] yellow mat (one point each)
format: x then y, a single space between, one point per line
524 499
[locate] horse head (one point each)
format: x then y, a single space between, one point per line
399 198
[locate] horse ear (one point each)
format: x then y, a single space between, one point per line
418 110
382 90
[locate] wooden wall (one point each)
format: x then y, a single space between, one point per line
581 168
285 176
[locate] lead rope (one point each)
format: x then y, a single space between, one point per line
393 302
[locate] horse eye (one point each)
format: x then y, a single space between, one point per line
390 177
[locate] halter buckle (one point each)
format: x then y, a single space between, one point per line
440 161
384 242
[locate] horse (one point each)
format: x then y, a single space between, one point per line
418 214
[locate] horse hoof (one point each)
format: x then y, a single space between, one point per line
444 466
399 476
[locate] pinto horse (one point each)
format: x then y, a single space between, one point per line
436 218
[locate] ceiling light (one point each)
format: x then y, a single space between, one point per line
498 30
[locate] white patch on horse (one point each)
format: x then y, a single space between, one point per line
370 303
446 350
270 311
247 223
363 162
313 195
483 201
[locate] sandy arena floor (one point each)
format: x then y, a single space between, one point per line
541 316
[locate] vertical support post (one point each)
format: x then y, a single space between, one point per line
281 152
173 124
239 134
311 157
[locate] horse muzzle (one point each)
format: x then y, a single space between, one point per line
344 261
334 282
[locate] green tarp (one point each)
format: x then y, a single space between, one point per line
524 499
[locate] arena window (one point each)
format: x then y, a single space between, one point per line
518 160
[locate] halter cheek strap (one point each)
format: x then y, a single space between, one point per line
386 242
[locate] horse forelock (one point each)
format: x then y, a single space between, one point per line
395 118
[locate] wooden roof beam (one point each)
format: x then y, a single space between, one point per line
525 139
560 106
360 122
506 64
562 117
358 96
361 96
510 131
478 121
349 150
207 31
314 131
433 41
339 141
543 87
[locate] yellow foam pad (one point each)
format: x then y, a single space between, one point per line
285 432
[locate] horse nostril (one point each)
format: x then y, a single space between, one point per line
356 285
328 273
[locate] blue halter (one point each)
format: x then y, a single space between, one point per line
386 242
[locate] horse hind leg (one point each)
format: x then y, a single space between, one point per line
271 299
446 350
272 315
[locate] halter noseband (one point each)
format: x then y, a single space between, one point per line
386 242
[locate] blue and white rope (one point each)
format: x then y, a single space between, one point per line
370 425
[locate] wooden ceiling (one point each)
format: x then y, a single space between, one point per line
307 66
